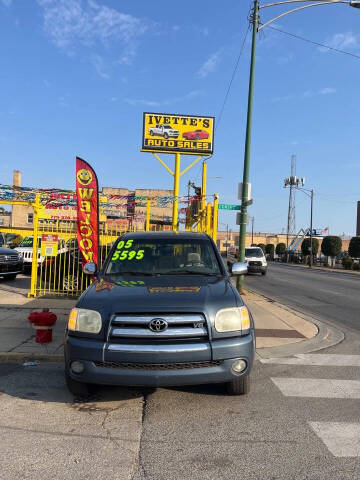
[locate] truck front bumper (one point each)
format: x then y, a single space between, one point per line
192 371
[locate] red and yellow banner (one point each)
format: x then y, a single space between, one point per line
87 194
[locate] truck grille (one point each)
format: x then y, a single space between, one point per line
137 327
158 366
12 258
255 264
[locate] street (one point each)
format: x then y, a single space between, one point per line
325 295
278 431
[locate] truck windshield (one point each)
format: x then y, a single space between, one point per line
163 257
254 252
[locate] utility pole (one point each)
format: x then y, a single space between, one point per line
245 183
252 230
291 223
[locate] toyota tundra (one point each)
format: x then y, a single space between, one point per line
162 311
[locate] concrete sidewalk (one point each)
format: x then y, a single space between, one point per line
275 326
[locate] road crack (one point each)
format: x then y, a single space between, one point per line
140 472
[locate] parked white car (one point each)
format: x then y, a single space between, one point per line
25 249
165 131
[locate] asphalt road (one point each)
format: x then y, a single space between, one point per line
279 431
331 297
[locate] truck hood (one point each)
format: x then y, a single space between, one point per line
131 294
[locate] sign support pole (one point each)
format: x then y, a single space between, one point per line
215 217
203 196
176 192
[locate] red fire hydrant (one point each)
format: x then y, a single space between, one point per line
43 323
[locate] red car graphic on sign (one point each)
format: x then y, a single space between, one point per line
195 135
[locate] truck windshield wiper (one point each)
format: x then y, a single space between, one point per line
189 272
134 273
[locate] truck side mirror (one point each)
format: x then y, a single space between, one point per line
239 268
90 268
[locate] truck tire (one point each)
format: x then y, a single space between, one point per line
240 386
151 133
166 136
78 389
263 273
197 137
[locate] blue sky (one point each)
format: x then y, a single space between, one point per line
76 76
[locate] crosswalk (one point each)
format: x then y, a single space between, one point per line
341 438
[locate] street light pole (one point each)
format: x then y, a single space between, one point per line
311 228
244 193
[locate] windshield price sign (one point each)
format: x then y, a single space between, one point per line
163 132
225 206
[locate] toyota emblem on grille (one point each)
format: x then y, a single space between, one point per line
158 325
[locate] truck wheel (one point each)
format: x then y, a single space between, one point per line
197 137
263 273
151 133
166 136
11 277
78 389
240 386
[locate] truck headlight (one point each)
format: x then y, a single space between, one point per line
83 320
232 319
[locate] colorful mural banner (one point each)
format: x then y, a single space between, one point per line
87 194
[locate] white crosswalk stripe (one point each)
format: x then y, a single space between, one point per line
316 360
318 387
341 438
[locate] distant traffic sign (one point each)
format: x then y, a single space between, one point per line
226 206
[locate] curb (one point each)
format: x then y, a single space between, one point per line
18 357
320 269
326 337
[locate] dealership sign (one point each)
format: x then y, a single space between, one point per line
163 132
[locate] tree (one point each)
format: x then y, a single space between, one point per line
262 246
305 246
280 248
270 250
354 247
331 246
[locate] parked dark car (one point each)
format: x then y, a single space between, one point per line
11 263
162 311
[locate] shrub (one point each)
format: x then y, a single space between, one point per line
305 246
331 246
270 250
356 266
347 263
280 248
263 247
354 247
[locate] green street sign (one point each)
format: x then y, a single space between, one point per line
226 206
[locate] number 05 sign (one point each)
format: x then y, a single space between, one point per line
165 132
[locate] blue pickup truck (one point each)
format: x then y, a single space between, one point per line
162 311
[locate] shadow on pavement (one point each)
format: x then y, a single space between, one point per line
45 383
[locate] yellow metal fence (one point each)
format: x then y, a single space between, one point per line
61 274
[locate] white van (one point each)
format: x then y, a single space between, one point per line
254 258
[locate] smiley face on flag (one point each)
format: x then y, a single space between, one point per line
84 176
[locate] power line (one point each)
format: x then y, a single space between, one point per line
231 80
338 50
